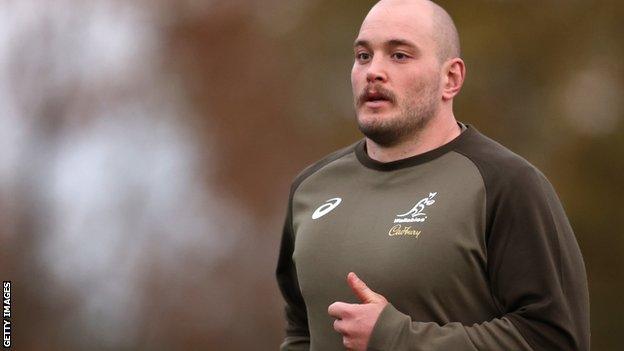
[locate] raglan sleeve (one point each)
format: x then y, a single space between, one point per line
537 278
297 332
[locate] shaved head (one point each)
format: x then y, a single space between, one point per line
445 33
406 70
442 28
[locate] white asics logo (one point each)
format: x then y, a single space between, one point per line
326 207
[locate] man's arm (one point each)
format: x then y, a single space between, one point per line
297 333
537 277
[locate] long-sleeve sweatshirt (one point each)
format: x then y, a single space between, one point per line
468 242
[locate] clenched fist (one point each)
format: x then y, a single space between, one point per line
356 321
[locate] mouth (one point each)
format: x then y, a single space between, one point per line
375 99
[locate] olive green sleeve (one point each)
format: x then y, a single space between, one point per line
396 331
537 277
297 332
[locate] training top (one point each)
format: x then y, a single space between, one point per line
468 243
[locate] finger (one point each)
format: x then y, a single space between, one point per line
347 342
339 310
361 290
340 326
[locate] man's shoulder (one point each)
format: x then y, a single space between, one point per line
498 164
324 161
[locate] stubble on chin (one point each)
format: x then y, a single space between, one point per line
406 124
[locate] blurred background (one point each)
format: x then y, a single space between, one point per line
147 149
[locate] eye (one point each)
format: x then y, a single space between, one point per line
362 56
400 56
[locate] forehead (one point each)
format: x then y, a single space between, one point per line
387 22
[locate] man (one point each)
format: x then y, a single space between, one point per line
425 235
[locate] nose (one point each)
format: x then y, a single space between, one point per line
376 71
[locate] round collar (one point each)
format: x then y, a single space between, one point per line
365 160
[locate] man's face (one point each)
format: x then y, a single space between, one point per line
396 74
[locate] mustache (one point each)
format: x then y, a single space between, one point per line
378 90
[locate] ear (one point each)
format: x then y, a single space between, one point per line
453 80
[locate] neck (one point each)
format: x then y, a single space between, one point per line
436 133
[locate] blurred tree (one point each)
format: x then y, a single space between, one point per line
191 118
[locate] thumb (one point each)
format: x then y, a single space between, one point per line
363 292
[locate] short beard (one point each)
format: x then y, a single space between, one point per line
412 119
